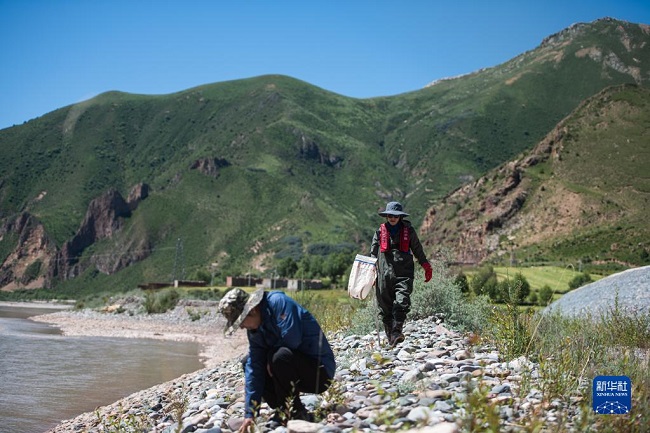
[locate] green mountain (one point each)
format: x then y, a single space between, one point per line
123 189
581 196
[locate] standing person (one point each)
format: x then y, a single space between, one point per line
288 352
394 245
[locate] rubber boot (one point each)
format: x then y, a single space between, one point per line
388 329
397 336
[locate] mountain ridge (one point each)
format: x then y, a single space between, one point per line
249 171
494 216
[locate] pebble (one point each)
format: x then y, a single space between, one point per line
420 385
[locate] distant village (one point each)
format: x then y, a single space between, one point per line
288 284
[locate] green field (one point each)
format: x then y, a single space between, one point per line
538 276
555 277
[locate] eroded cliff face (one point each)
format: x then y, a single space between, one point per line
210 166
26 267
35 261
473 221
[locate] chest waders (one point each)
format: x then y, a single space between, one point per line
394 285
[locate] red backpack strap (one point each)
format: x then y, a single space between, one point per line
404 240
384 238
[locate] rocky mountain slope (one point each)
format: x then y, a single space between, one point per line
582 194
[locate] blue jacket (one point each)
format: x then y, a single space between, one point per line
285 323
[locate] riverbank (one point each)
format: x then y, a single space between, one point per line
45 305
437 379
194 321
424 381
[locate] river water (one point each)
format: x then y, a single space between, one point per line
46 377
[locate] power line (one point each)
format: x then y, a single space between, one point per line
130 252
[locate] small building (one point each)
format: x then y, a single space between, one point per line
154 286
245 281
189 283
274 283
295 285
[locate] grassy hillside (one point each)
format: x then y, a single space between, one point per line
581 196
292 165
455 130
601 172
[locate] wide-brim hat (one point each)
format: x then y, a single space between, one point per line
235 306
393 208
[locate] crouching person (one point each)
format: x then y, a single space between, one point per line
288 352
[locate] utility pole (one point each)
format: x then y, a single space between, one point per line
179 262
213 269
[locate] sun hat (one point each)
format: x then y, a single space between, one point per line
235 306
393 208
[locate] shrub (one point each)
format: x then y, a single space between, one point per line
485 282
580 280
545 295
205 294
202 275
159 302
31 272
513 290
461 281
441 296
331 314
510 330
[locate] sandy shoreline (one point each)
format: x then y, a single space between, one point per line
37 304
176 325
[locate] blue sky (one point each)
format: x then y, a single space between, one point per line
60 52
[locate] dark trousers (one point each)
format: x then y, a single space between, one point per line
293 373
394 298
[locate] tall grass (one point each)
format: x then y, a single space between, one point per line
572 351
569 352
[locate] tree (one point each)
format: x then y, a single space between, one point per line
514 290
287 267
485 282
580 280
310 266
461 281
336 265
545 295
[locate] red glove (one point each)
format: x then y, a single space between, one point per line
428 272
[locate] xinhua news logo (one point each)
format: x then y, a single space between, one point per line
612 395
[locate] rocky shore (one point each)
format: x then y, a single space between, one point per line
425 383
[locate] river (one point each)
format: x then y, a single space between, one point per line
46 377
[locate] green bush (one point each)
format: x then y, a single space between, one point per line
202 275
440 296
485 282
32 272
159 302
461 281
545 295
580 280
510 330
205 294
513 290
